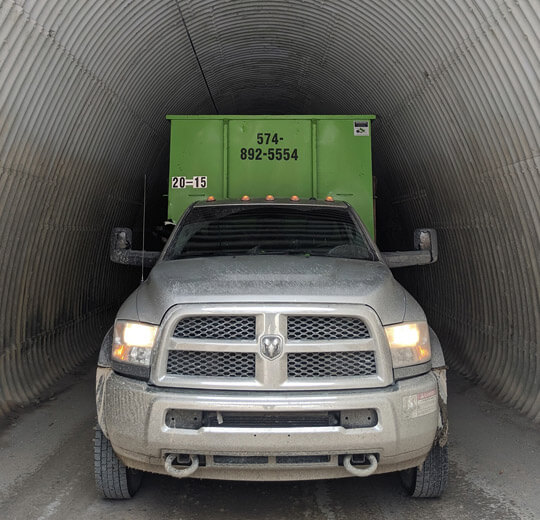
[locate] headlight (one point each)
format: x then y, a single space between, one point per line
409 343
133 342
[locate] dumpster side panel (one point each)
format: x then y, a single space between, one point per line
196 163
344 165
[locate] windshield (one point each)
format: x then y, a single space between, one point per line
268 230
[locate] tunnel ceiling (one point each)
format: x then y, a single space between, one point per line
84 90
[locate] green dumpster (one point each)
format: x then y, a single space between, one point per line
227 157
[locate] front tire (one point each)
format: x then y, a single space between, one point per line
113 479
428 480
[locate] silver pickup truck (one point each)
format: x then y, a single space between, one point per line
270 341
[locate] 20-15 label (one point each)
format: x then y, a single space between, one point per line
196 182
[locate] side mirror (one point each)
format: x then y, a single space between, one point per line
425 239
426 251
121 252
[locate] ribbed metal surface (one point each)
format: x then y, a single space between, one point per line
82 120
83 93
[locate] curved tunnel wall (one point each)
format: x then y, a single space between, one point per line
84 90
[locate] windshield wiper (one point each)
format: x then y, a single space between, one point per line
260 251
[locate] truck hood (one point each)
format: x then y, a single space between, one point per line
268 279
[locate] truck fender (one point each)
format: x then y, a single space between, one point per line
103 371
105 351
439 370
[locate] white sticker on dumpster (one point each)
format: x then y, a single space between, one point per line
198 182
361 128
417 405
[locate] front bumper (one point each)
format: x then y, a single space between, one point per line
132 415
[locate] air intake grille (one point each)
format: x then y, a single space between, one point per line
272 419
331 364
313 328
211 364
216 327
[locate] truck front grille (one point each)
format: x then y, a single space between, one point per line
331 364
211 364
216 327
260 347
316 328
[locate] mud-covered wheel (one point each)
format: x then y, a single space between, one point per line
113 479
430 479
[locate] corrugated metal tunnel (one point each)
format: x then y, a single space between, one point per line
84 90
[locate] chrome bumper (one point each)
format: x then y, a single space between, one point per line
132 415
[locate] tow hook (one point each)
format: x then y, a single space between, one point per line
361 472
181 473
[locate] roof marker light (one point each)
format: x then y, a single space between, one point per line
211 199
329 199
269 197
245 197
295 198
